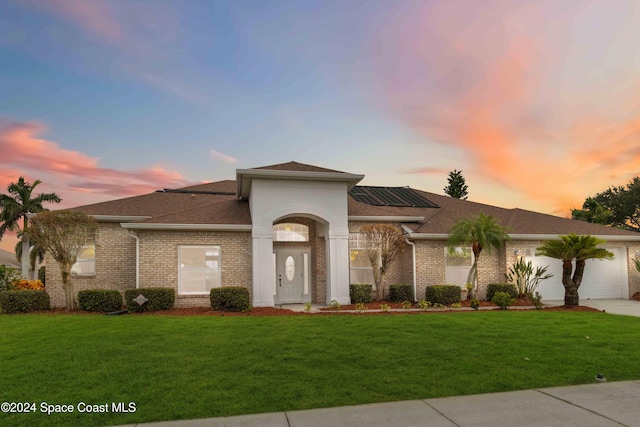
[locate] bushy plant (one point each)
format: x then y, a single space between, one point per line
503 300
24 301
360 292
385 307
424 304
335 305
28 285
456 305
443 294
307 307
399 293
536 300
8 276
361 308
525 277
157 299
100 300
406 305
501 287
474 304
230 298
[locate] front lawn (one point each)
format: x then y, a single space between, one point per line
174 367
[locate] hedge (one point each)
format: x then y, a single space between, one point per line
443 294
501 287
400 293
360 293
102 300
230 298
24 301
158 299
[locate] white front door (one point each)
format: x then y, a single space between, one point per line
292 269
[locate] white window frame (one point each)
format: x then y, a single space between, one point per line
290 232
86 265
356 243
217 269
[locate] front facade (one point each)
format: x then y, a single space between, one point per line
290 234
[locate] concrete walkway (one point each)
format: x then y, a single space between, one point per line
614 306
597 405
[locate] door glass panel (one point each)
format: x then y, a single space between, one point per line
290 268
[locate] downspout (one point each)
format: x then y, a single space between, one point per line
413 253
135 236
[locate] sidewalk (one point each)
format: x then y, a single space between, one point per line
597 405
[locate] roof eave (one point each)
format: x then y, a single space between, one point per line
384 218
245 176
187 227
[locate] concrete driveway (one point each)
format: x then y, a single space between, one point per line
614 306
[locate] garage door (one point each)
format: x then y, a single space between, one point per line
602 278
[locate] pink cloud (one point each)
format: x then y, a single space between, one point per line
76 172
523 88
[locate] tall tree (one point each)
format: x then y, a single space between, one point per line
480 232
63 234
457 187
569 248
617 206
14 208
383 244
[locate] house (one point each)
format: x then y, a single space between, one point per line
289 233
8 259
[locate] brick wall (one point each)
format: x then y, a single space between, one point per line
159 260
115 265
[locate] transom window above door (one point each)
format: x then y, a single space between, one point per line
290 232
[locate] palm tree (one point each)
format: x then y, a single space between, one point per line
573 247
15 206
480 232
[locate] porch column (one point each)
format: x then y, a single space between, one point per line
338 266
263 268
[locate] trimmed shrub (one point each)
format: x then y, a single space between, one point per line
503 300
230 298
102 300
24 301
501 287
158 299
400 293
360 293
443 294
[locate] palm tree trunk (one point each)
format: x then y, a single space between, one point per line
571 297
25 257
473 278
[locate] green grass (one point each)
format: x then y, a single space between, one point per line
192 367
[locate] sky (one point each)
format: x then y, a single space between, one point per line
536 101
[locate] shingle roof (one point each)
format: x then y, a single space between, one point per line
297 167
9 259
217 204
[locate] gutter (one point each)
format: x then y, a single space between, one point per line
440 236
413 254
187 227
380 218
135 236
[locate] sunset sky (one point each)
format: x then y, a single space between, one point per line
538 102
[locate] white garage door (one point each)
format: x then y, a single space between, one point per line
602 278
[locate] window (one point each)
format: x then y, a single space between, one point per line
360 270
290 232
457 261
86 262
199 269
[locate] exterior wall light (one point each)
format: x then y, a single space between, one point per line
518 254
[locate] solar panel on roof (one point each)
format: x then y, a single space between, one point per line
390 196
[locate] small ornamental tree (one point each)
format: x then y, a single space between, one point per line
457 187
63 235
573 247
383 244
